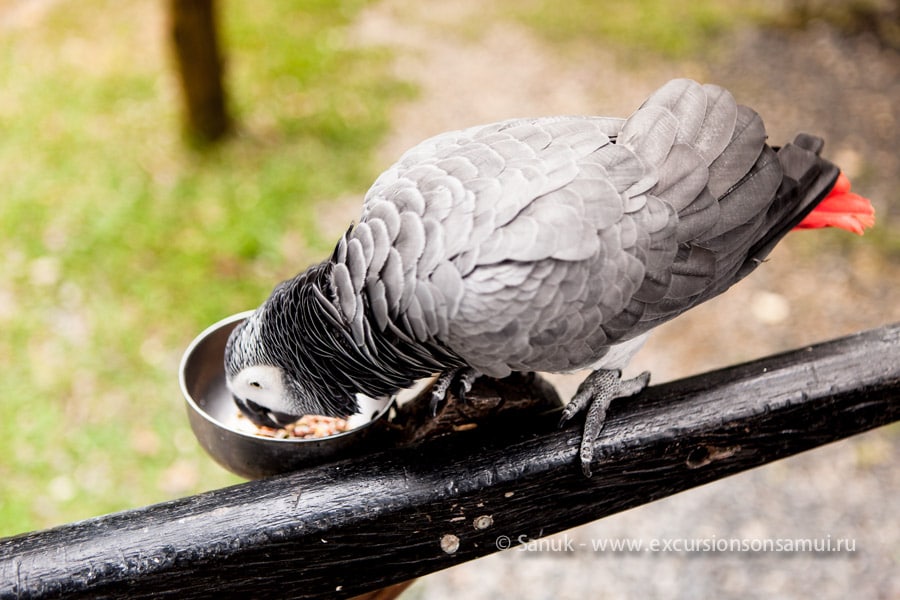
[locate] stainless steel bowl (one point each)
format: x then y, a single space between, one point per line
214 416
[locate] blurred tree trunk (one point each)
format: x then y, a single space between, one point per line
199 65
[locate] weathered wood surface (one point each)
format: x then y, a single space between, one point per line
360 524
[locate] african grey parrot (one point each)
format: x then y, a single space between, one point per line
547 244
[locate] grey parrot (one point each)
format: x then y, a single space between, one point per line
548 244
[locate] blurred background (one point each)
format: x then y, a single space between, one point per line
122 237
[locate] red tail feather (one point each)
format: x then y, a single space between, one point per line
841 208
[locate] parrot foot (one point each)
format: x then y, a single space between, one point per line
596 393
460 380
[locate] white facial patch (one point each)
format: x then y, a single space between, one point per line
262 384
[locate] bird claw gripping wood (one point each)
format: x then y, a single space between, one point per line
596 393
459 381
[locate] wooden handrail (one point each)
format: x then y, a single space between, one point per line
363 523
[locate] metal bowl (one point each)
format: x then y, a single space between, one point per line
226 437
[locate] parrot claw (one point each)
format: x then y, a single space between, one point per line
596 393
459 380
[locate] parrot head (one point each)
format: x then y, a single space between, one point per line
267 376
257 385
258 392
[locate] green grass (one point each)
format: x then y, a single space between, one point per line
664 29
119 244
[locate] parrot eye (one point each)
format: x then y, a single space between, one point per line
255 384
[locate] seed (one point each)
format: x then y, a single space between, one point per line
308 426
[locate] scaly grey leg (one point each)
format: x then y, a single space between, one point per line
596 393
461 379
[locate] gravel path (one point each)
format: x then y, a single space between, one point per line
473 70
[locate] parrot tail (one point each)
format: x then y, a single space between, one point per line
841 208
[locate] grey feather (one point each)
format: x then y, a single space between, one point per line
430 310
381 245
518 191
358 327
519 238
655 286
624 169
718 123
458 167
406 197
449 283
697 217
740 155
534 137
755 193
434 250
440 202
327 304
387 213
599 203
378 304
343 287
457 227
682 177
692 273
488 193
650 133
410 242
488 161
415 319
465 262
609 126
408 290
363 234
356 264
685 100
392 277
554 243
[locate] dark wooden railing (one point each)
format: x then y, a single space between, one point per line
387 516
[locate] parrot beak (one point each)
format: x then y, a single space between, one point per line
263 417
